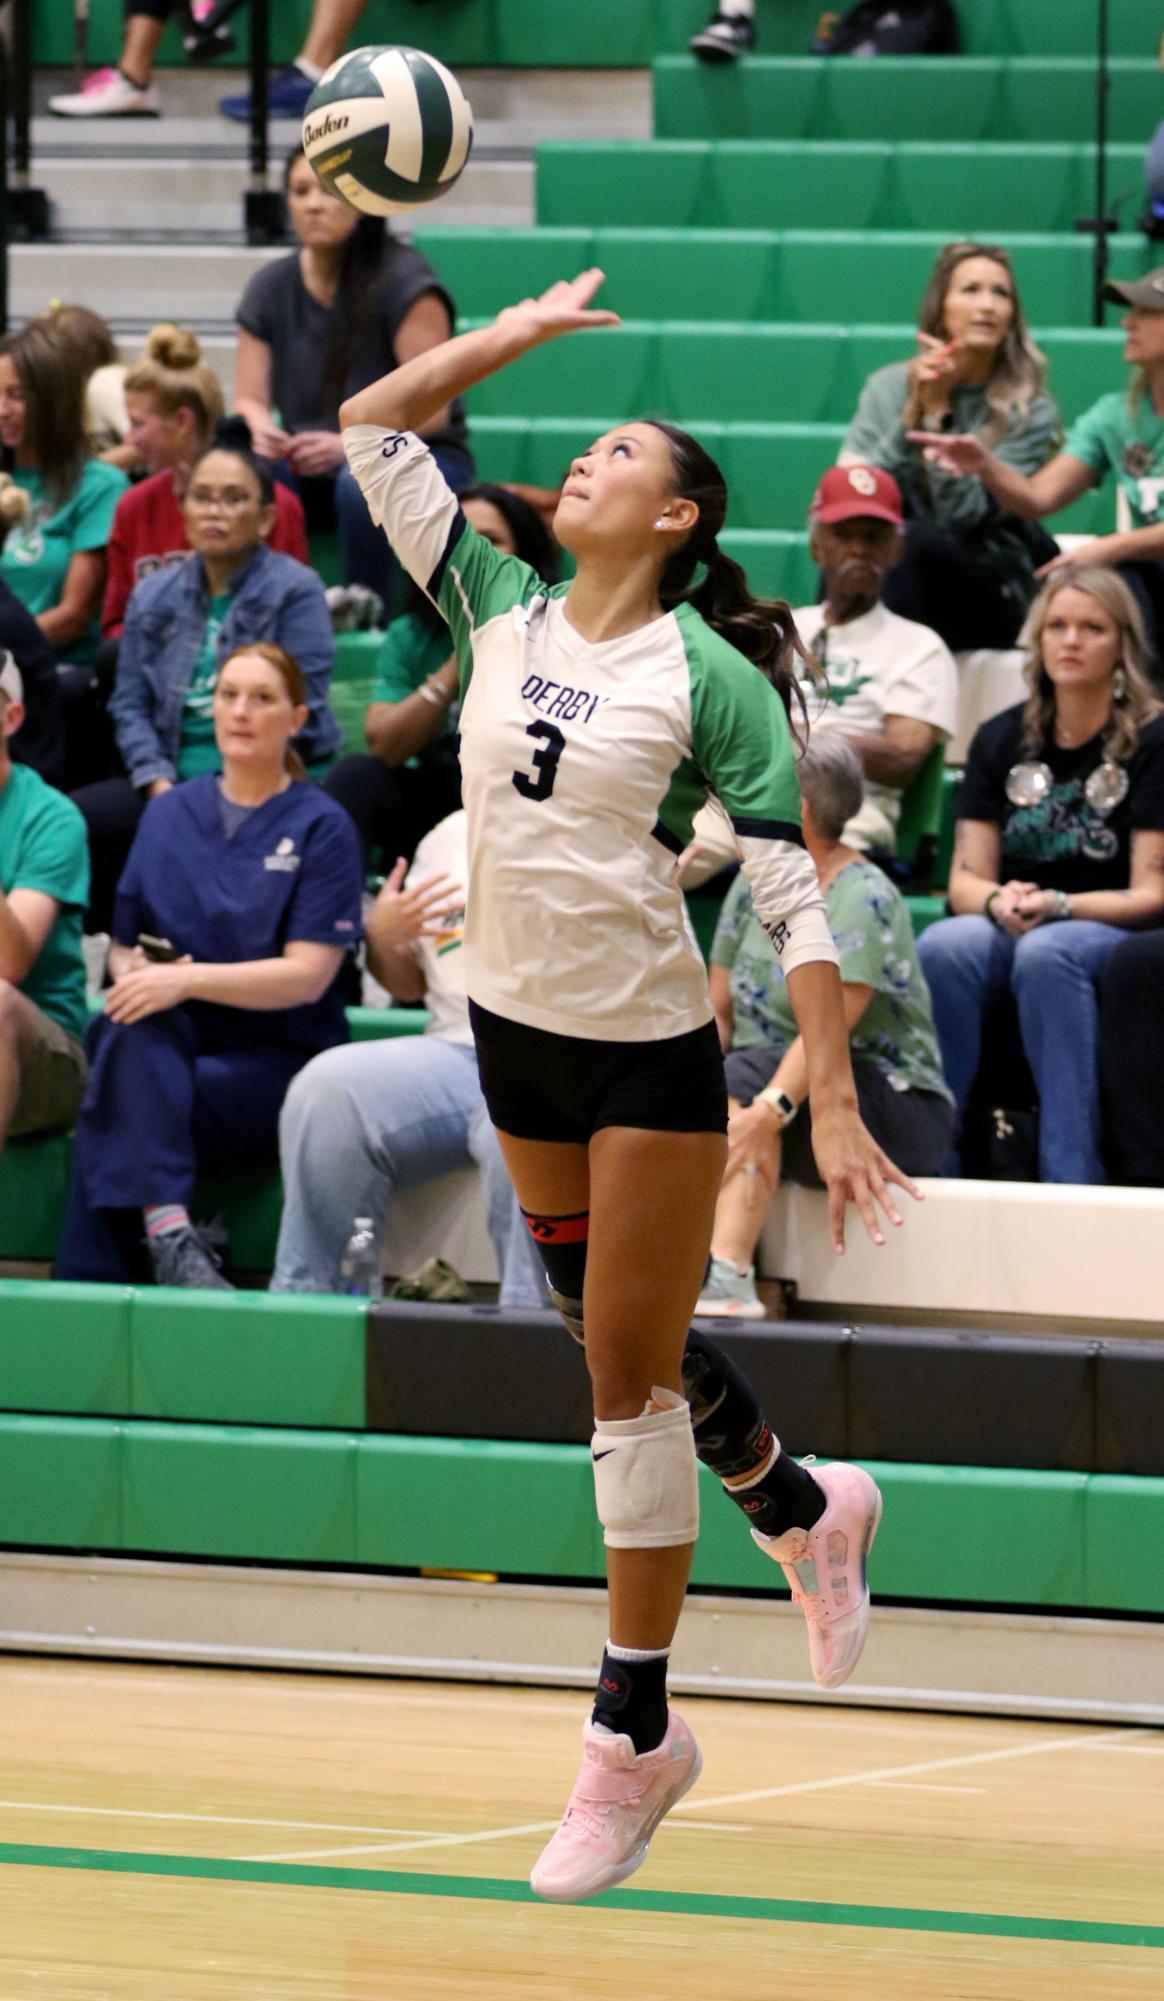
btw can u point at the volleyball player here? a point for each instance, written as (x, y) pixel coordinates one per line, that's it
(595, 718)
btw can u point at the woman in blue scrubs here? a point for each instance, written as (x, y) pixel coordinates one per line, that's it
(253, 880)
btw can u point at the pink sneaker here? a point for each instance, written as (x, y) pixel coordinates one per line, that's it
(825, 1567)
(617, 1803)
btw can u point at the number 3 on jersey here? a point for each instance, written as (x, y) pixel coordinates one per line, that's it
(545, 762)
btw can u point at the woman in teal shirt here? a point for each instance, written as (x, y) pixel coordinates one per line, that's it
(410, 779)
(1122, 434)
(54, 558)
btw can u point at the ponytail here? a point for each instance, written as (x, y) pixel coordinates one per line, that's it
(762, 629)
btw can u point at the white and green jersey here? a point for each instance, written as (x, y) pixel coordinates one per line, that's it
(583, 766)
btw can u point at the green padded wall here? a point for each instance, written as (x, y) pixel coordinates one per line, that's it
(274, 1495)
(156, 1352)
(791, 184)
(620, 32)
(958, 98)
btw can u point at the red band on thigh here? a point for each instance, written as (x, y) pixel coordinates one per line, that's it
(573, 1229)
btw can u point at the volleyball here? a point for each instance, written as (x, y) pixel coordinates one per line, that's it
(387, 129)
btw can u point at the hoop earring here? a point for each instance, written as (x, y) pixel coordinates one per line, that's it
(1119, 684)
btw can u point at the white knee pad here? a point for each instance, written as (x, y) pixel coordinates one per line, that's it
(646, 1477)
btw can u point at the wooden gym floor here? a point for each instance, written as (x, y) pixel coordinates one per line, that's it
(174, 1834)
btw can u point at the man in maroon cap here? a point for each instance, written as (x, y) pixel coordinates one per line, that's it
(892, 684)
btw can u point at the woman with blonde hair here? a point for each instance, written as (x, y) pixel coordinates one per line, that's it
(235, 911)
(969, 569)
(1121, 434)
(1059, 849)
(175, 404)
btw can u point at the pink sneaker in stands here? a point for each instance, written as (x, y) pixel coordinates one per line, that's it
(825, 1568)
(617, 1803)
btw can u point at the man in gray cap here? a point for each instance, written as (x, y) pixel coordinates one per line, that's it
(1122, 435)
(44, 887)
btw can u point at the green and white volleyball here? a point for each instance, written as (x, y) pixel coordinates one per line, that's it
(387, 129)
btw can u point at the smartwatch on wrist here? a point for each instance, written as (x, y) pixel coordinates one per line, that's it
(780, 1102)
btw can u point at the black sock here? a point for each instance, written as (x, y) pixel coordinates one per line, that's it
(631, 1699)
(784, 1497)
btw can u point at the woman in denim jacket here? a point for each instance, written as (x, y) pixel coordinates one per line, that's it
(180, 625)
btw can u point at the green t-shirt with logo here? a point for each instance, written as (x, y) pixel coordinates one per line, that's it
(198, 750)
(43, 846)
(874, 937)
(1127, 439)
(37, 551)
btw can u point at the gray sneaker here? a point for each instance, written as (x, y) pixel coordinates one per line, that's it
(729, 1294)
(182, 1258)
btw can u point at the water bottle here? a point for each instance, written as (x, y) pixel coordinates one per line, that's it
(360, 1264)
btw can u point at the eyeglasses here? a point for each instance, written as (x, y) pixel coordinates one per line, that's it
(233, 501)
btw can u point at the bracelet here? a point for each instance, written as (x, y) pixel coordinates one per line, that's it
(433, 695)
(986, 908)
(1061, 908)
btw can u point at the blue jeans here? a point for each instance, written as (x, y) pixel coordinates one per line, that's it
(362, 1121)
(1052, 974)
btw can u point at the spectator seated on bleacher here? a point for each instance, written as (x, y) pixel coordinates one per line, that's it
(1122, 434)
(891, 686)
(180, 624)
(315, 327)
(900, 1088)
(411, 778)
(1059, 848)
(175, 406)
(44, 880)
(362, 1122)
(252, 881)
(969, 568)
(53, 559)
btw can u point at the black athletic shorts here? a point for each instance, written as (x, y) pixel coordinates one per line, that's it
(564, 1087)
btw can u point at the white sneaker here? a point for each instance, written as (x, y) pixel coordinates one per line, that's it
(825, 1568)
(108, 94)
(729, 1294)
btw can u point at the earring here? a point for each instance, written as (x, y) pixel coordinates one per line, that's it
(1119, 683)
(660, 524)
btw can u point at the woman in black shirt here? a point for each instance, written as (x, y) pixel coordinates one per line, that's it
(316, 327)
(1060, 847)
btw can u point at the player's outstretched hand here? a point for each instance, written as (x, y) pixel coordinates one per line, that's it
(854, 1169)
(564, 309)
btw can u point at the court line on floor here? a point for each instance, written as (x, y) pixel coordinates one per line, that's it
(206, 1819)
(504, 1890)
(702, 1807)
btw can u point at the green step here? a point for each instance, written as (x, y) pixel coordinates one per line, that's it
(741, 373)
(968, 189)
(954, 97)
(271, 1494)
(771, 469)
(613, 33)
(765, 275)
(155, 1352)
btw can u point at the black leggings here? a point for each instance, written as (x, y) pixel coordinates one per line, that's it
(939, 583)
(158, 10)
(1131, 1057)
(112, 810)
(392, 806)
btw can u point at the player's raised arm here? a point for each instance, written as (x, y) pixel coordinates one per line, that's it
(411, 395)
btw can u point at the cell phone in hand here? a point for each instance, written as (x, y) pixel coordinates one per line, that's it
(158, 951)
